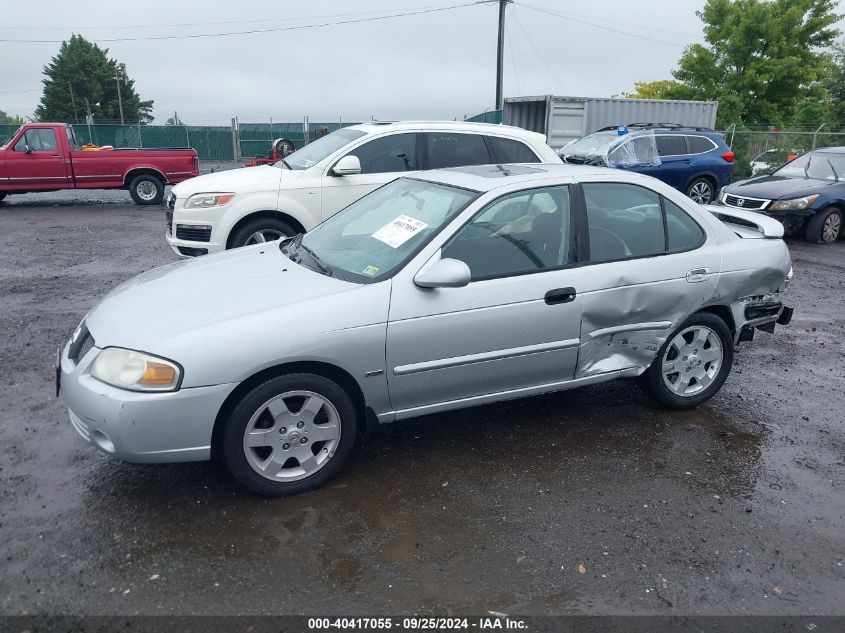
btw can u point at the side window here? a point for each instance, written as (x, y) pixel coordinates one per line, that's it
(448, 149)
(507, 150)
(700, 144)
(39, 140)
(397, 152)
(519, 233)
(682, 231)
(670, 144)
(624, 221)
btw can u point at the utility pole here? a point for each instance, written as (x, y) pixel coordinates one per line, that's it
(500, 54)
(73, 102)
(119, 75)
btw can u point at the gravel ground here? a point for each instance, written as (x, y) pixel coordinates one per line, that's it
(590, 501)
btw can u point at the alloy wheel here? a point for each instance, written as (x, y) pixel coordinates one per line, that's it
(692, 360)
(292, 436)
(701, 192)
(263, 235)
(831, 228)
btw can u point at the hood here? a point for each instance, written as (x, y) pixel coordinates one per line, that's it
(775, 187)
(252, 179)
(167, 303)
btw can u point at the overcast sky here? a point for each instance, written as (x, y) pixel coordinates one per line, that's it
(439, 64)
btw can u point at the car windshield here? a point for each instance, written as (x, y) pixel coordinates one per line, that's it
(592, 145)
(817, 165)
(372, 237)
(314, 152)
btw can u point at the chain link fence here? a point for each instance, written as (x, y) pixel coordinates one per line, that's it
(758, 151)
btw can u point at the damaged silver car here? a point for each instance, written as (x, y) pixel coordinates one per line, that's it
(451, 289)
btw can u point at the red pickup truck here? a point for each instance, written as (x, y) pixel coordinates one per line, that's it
(47, 157)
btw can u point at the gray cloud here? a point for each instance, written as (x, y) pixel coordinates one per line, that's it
(436, 65)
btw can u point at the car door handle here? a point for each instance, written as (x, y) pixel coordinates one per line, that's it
(697, 274)
(560, 295)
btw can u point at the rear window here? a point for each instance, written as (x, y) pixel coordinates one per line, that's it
(447, 149)
(700, 144)
(670, 145)
(507, 150)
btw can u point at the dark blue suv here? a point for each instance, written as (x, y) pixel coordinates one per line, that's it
(693, 160)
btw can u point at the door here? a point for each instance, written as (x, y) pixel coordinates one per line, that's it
(515, 326)
(35, 161)
(382, 159)
(649, 266)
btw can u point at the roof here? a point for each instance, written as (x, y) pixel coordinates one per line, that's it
(489, 177)
(832, 150)
(466, 126)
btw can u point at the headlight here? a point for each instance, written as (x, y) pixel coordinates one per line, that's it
(794, 204)
(135, 371)
(206, 200)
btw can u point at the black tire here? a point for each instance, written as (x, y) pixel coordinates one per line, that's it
(2, 195)
(825, 227)
(273, 228)
(234, 454)
(654, 385)
(701, 190)
(141, 189)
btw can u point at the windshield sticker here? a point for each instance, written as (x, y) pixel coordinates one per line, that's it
(399, 231)
(370, 270)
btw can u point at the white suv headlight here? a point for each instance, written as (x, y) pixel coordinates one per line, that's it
(207, 200)
(136, 371)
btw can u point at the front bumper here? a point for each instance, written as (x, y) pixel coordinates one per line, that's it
(185, 248)
(139, 427)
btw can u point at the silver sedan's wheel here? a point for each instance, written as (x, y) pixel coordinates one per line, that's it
(264, 235)
(701, 191)
(692, 360)
(292, 436)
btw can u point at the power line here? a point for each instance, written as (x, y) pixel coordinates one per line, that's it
(622, 22)
(511, 50)
(599, 26)
(537, 50)
(256, 31)
(217, 23)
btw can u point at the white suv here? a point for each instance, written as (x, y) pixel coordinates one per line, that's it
(234, 208)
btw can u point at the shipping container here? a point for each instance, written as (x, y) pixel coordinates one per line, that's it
(563, 119)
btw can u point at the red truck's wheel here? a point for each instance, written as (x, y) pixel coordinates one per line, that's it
(146, 189)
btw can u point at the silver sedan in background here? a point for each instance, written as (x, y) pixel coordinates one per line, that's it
(450, 289)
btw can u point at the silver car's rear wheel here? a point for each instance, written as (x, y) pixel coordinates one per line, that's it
(692, 360)
(290, 433)
(693, 363)
(292, 436)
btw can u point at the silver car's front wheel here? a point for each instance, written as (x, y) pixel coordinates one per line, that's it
(289, 434)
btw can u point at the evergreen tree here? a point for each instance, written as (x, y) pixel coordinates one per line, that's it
(82, 70)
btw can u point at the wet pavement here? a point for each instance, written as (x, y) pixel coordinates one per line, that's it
(589, 501)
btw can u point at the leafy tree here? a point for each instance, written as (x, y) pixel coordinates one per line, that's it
(762, 60)
(174, 120)
(83, 70)
(7, 119)
(662, 89)
(834, 83)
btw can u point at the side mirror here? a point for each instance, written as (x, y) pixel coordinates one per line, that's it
(444, 273)
(347, 166)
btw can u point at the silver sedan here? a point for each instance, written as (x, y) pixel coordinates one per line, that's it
(455, 288)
